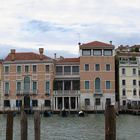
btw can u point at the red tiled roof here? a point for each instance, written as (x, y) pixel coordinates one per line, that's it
(25, 56)
(96, 44)
(68, 60)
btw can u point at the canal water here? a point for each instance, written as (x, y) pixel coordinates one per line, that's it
(90, 127)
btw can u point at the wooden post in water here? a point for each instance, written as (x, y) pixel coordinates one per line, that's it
(110, 123)
(24, 126)
(9, 126)
(37, 125)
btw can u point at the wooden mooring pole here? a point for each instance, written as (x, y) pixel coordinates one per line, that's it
(37, 125)
(110, 123)
(24, 126)
(9, 126)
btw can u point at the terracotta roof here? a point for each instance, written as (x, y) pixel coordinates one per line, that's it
(25, 56)
(68, 60)
(96, 44)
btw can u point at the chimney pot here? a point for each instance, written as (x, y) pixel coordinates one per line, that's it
(41, 50)
(79, 43)
(111, 42)
(13, 52)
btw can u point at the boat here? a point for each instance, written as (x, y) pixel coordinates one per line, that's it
(81, 113)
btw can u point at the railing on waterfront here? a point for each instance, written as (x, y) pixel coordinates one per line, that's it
(128, 62)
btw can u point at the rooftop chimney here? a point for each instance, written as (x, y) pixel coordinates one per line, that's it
(41, 50)
(54, 55)
(110, 42)
(13, 56)
(79, 43)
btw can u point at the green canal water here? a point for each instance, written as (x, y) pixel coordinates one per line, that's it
(90, 127)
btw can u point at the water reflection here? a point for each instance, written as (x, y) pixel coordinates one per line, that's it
(76, 128)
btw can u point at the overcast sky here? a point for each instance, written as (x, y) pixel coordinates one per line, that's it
(58, 25)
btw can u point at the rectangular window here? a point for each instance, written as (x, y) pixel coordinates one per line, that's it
(123, 71)
(108, 101)
(47, 87)
(97, 101)
(47, 103)
(7, 87)
(34, 103)
(139, 83)
(134, 82)
(97, 52)
(47, 68)
(86, 52)
(124, 102)
(6, 103)
(107, 52)
(123, 92)
(18, 87)
(87, 101)
(108, 85)
(26, 69)
(139, 72)
(134, 71)
(59, 70)
(97, 67)
(18, 103)
(34, 68)
(123, 82)
(34, 86)
(6, 69)
(75, 70)
(18, 69)
(86, 84)
(67, 70)
(86, 67)
(108, 67)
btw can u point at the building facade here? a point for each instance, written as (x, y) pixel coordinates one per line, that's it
(97, 75)
(28, 80)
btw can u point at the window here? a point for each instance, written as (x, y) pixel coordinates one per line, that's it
(108, 85)
(18, 87)
(139, 72)
(123, 71)
(97, 101)
(134, 71)
(107, 52)
(26, 69)
(6, 69)
(47, 68)
(124, 102)
(97, 85)
(47, 103)
(75, 70)
(107, 67)
(18, 69)
(67, 70)
(6, 103)
(34, 68)
(108, 101)
(134, 92)
(97, 67)
(86, 52)
(59, 70)
(97, 52)
(34, 86)
(139, 92)
(123, 82)
(76, 85)
(86, 84)
(34, 103)
(18, 103)
(47, 87)
(7, 87)
(87, 101)
(134, 82)
(86, 67)
(139, 83)
(123, 92)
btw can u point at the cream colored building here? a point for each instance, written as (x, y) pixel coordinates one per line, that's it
(129, 79)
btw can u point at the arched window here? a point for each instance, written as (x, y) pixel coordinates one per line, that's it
(27, 84)
(97, 85)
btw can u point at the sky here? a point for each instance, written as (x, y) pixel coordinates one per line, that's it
(58, 25)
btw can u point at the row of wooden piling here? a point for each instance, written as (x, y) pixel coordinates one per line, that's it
(110, 125)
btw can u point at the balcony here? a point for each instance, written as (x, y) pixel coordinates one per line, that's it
(6, 92)
(47, 93)
(66, 92)
(128, 62)
(26, 92)
(98, 92)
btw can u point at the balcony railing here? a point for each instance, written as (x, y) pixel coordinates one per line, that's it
(67, 73)
(47, 92)
(128, 62)
(6, 92)
(98, 92)
(66, 92)
(26, 92)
